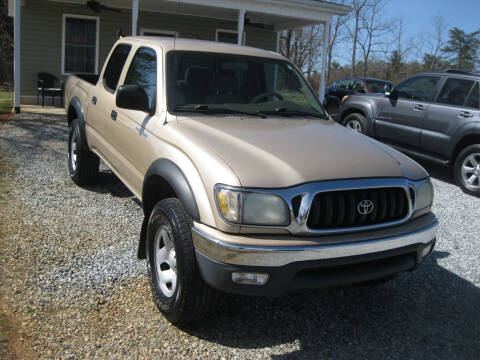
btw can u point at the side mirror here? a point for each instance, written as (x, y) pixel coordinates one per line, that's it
(133, 97)
(387, 90)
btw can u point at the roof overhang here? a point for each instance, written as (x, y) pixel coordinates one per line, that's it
(280, 14)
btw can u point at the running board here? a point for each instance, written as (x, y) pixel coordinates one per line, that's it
(413, 153)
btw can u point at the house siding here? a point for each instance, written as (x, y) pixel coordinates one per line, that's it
(41, 35)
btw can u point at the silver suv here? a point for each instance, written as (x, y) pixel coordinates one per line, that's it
(433, 116)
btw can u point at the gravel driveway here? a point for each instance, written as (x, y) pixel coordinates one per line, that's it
(72, 288)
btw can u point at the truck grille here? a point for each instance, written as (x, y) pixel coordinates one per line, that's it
(340, 209)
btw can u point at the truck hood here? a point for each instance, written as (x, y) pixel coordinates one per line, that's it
(282, 152)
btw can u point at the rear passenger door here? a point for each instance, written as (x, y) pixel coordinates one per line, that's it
(456, 104)
(101, 104)
(399, 119)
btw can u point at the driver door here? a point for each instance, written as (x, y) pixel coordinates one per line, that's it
(399, 119)
(131, 130)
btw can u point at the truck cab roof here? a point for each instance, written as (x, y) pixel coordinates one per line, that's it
(168, 43)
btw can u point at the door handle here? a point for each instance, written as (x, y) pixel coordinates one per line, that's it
(94, 100)
(113, 115)
(465, 114)
(419, 107)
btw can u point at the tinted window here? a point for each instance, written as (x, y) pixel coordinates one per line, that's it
(376, 86)
(455, 91)
(115, 66)
(143, 72)
(235, 82)
(359, 86)
(473, 99)
(422, 88)
(343, 83)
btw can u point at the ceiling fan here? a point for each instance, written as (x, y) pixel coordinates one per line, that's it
(249, 22)
(97, 7)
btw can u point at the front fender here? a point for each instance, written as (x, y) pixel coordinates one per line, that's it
(172, 174)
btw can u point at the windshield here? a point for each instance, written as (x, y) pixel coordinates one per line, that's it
(377, 86)
(226, 83)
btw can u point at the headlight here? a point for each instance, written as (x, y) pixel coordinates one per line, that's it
(251, 208)
(344, 98)
(424, 195)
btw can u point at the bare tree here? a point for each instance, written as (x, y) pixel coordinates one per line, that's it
(6, 46)
(373, 31)
(337, 35)
(358, 8)
(434, 42)
(302, 46)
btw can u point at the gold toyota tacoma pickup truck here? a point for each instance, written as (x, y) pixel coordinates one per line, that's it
(247, 185)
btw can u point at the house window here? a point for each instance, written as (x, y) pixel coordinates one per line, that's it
(155, 32)
(228, 36)
(80, 44)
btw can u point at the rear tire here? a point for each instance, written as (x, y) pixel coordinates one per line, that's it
(356, 122)
(467, 170)
(178, 288)
(82, 163)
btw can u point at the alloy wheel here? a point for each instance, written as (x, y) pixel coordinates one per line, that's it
(73, 152)
(354, 125)
(165, 261)
(471, 170)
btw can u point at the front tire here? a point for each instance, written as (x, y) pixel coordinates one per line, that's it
(178, 288)
(83, 165)
(467, 170)
(356, 122)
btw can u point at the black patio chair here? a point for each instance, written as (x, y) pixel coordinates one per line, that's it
(49, 85)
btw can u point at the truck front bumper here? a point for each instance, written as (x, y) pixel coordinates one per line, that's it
(337, 260)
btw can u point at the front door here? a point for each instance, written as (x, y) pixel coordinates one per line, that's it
(131, 132)
(399, 119)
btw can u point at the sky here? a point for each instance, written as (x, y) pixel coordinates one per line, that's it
(417, 15)
(464, 14)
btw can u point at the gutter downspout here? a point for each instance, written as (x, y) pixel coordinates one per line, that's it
(16, 55)
(326, 42)
(240, 24)
(134, 17)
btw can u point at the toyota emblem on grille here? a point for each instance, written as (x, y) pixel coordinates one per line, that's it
(365, 207)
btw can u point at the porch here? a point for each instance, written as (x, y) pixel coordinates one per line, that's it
(67, 36)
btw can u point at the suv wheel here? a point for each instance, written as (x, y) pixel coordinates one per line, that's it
(467, 170)
(178, 289)
(356, 122)
(82, 163)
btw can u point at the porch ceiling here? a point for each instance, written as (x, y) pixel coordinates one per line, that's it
(280, 14)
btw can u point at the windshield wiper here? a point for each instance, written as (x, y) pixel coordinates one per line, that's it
(291, 112)
(217, 110)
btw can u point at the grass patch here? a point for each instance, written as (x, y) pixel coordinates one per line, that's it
(6, 101)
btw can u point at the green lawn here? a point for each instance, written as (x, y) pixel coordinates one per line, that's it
(6, 101)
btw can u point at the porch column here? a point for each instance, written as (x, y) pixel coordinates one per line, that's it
(134, 17)
(241, 22)
(16, 54)
(326, 42)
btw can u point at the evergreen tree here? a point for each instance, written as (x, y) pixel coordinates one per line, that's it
(463, 48)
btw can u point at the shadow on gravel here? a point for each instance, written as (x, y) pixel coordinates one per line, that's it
(40, 132)
(442, 173)
(430, 313)
(109, 183)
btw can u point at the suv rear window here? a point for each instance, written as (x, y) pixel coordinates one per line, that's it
(474, 97)
(115, 66)
(455, 91)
